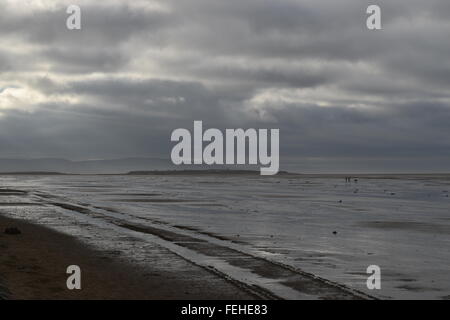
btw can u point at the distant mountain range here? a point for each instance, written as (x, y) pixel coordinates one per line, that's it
(86, 166)
(112, 166)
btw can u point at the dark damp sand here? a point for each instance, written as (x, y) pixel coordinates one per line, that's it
(33, 266)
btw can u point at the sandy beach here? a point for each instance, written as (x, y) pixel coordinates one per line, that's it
(224, 237)
(33, 265)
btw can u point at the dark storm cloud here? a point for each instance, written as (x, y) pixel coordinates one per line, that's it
(420, 129)
(85, 60)
(170, 103)
(102, 24)
(119, 86)
(95, 48)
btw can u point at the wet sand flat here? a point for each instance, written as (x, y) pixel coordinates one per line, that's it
(33, 266)
(288, 237)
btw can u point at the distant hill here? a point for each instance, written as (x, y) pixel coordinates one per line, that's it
(201, 172)
(34, 173)
(55, 165)
(132, 166)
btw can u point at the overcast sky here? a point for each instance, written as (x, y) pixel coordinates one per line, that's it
(341, 95)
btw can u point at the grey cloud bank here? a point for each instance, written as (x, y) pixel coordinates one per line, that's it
(344, 98)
